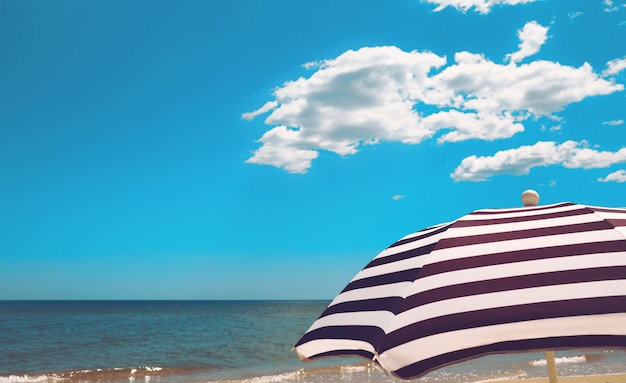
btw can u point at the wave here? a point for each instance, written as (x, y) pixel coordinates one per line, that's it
(156, 374)
(317, 375)
(584, 358)
(24, 379)
(277, 378)
(356, 372)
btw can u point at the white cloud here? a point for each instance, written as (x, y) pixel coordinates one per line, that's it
(360, 97)
(384, 94)
(397, 197)
(312, 65)
(608, 6)
(532, 37)
(554, 128)
(281, 149)
(613, 67)
(574, 15)
(519, 161)
(270, 105)
(539, 87)
(481, 6)
(467, 125)
(618, 176)
(613, 122)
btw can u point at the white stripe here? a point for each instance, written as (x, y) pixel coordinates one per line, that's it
(410, 245)
(380, 319)
(388, 268)
(318, 346)
(592, 207)
(382, 291)
(424, 348)
(611, 214)
(527, 212)
(405, 289)
(425, 231)
(475, 274)
(522, 244)
(454, 232)
(487, 248)
(412, 262)
(509, 298)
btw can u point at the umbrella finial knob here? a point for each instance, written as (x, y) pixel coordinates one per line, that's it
(530, 198)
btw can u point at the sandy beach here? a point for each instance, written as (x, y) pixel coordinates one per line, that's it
(297, 377)
(369, 373)
(614, 378)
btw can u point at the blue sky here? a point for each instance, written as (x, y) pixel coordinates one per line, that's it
(269, 149)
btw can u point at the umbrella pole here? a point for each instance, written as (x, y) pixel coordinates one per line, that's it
(531, 198)
(551, 367)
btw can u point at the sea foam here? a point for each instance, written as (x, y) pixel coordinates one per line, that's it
(562, 360)
(28, 379)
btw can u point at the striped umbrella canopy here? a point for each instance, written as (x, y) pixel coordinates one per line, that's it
(494, 281)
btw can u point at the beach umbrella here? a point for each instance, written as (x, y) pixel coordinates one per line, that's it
(494, 281)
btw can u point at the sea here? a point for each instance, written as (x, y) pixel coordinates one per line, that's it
(216, 341)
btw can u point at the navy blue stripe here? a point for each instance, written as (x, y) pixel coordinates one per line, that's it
(417, 238)
(391, 304)
(616, 222)
(503, 315)
(401, 256)
(495, 221)
(397, 305)
(343, 353)
(524, 255)
(536, 217)
(514, 283)
(553, 343)
(370, 334)
(446, 243)
(608, 209)
(384, 279)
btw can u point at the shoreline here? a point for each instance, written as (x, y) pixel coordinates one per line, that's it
(361, 373)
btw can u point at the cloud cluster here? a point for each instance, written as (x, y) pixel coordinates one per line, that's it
(519, 161)
(385, 94)
(481, 6)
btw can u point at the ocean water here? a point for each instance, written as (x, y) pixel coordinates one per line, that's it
(214, 341)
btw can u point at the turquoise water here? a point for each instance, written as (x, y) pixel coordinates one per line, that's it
(211, 337)
(195, 341)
